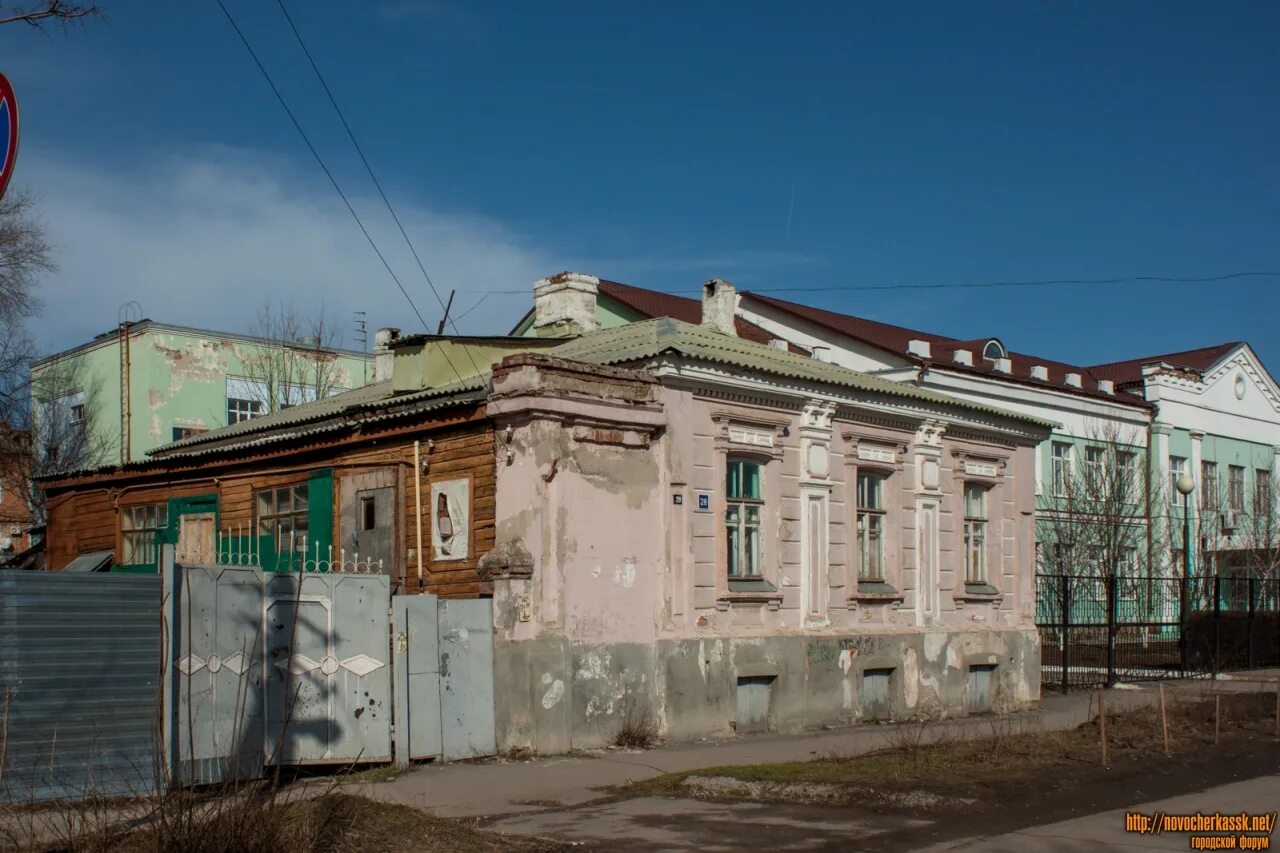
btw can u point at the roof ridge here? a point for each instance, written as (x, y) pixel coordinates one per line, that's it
(1163, 356)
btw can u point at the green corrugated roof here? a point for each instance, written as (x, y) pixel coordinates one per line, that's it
(650, 338)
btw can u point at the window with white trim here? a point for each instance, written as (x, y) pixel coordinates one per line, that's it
(871, 527)
(1177, 467)
(1061, 468)
(744, 508)
(1095, 461)
(975, 533)
(246, 399)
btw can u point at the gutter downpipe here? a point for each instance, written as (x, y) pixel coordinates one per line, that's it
(417, 496)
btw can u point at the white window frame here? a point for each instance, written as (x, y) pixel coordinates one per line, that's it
(1061, 468)
(975, 534)
(871, 524)
(743, 524)
(1177, 467)
(1209, 484)
(246, 399)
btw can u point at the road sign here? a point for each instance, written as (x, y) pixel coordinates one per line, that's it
(8, 132)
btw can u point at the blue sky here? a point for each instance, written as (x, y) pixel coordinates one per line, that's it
(776, 145)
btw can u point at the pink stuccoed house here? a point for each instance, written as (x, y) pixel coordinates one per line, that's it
(724, 535)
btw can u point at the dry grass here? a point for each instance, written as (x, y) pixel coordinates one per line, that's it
(952, 767)
(243, 823)
(639, 728)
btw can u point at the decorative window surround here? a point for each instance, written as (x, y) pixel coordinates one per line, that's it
(736, 433)
(868, 454)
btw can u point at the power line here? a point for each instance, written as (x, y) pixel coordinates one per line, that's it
(373, 177)
(320, 161)
(1137, 279)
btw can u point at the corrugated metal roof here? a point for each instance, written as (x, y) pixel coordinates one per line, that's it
(314, 411)
(650, 338)
(337, 412)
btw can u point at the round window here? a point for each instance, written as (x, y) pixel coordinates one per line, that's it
(1240, 387)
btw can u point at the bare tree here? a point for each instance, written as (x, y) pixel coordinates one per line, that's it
(47, 11)
(296, 363)
(1092, 517)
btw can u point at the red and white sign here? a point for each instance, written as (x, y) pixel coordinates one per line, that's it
(8, 132)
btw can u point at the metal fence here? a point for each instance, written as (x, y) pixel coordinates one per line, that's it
(1104, 629)
(79, 684)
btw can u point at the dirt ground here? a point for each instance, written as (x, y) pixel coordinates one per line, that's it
(911, 795)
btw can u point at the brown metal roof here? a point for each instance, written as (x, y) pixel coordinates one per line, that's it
(1130, 371)
(653, 303)
(894, 339)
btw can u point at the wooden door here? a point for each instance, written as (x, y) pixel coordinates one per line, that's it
(196, 539)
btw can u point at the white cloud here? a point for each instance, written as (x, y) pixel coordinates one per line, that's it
(203, 242)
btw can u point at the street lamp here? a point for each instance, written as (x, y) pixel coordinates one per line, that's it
(1185, 486)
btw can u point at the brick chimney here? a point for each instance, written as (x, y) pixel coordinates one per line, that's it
(564, 305)
(719, 302)
(382, 356)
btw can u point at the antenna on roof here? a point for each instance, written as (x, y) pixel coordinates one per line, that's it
(361, 320)
(445, 318)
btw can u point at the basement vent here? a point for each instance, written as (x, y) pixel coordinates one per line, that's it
(877, 701)
(1039, 371)
(964, 356)
(1073, 379)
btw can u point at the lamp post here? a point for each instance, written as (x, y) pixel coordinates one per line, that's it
(1185, 486)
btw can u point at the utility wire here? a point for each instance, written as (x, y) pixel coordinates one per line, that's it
(1138, 279)
(373, 177)
(332, 180)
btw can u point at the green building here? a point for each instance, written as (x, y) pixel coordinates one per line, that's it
(146, 384)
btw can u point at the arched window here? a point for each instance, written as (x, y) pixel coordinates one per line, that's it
(993, 350)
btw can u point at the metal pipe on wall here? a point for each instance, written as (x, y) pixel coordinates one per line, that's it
(417, 498)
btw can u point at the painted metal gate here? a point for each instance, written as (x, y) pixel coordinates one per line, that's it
(443, 678)
(275, 668)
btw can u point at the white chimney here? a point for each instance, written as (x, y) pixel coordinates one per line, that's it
(821, 352)
(918, 348)
(564, 305)
(964, 356)
(719, 301)
(1039, 371)
(779, 343)
(382, 357)
(1106, 386)
(1003, 365)
(1073, 379)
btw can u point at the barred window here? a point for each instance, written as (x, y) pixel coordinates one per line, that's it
(139, 526)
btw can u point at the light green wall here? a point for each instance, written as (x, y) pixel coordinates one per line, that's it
(610, 313)
(177, 379)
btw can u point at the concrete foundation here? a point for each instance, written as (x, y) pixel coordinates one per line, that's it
(557, 696)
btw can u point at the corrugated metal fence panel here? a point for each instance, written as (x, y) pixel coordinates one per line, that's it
(80, 667)
(417, 678)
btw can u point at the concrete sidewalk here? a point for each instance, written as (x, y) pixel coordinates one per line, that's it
(499, 787)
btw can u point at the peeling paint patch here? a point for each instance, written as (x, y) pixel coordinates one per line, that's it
(934, 644)
(625, 574)
(553, 695)
(595, 665)
(911, 676)
(846, 660)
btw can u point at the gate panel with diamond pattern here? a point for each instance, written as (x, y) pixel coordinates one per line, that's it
(267, 671)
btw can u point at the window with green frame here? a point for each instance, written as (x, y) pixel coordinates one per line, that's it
(141, 533)
(744, 506)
